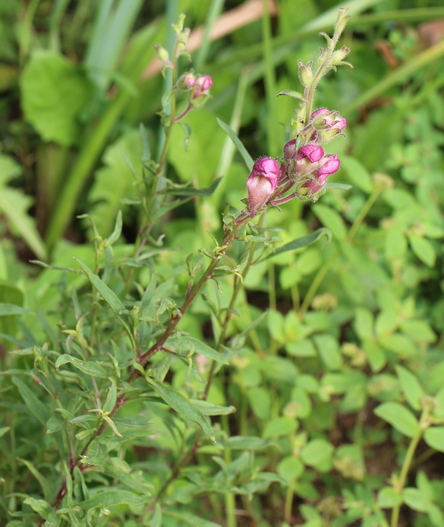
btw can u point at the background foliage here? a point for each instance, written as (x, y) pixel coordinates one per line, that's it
(327, 405)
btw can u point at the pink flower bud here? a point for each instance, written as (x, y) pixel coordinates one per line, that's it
(202, 85)
(325, 120)
(312, 152)
(328, 165)
(261, 183)
(189, 79)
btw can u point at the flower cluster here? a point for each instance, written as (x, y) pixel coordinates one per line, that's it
(304, 169)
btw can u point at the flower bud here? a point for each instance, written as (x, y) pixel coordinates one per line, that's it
(327, 166)
(305, 73)
(161, 53)
(261, 183)
(327, 123)
(200, 91)
(340, 54)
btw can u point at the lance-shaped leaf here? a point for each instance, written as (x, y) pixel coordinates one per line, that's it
(299, 243)
(238, 144)
(182, 406)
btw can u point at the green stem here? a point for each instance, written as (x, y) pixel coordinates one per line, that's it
(289, 502)
(228, 238)
(404, 472)
(363, 213)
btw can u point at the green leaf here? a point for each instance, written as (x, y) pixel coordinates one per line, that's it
(291, 93)
(200, 347)
(328, 349)
(410, 386)
(332, 220)
(434, 437)
(290, 468)
(340, 186)
(190, 191)
(207, 408)
(182, 406)
(41, 507)
(260, 402)
(54, 92)
(416, 499)
(399, 417)
(423, 249)
(35, 406)
(237, 143)
(156, 520)
(248, 443)
(318, 454)
(90, 368)
(299, 243)
(12, 309)
(43, 482)
(280, 426)
(399, 344)
(109, 296)
(108, 498)
(111, 397)
(357, 173)
(14, 205)
(388, 498)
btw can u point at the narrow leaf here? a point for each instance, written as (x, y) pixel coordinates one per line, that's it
(109, 296)
(207, 408)
(292, 93)
(299, 243)
(177, 402)
(90, 368)
(410, 386)
(238, 144)
(107, 498)
(191, 191)
(36, 407)
(202, 348)
(12, 309)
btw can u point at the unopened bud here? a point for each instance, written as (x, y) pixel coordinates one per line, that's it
(161, 53)
(261, 183)
(340, 54)
(305, 73)
(383, 182)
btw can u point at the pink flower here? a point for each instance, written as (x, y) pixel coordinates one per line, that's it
(328, 165)
(261, 183)
(312, 152)
(327, 124)
(203, 84)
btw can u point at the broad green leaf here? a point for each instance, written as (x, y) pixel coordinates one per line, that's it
(260, 402)
(14, 205)
(182, 406)
(304, 241)
(237, 143)
(90, 368)
(290, 468)
(12, 309)
(388, 498)
(357, 173)
(108, 498)
(156, 520)
(54, 92)
(423, 249)
(280, 426)
(399, 344)
(318, 453)
(207, 408)
(303, 348)
(35, 406)
(328, 349)
(418, 330)
(399, 417)
(434, 437)
(331, 220)
(109, 296)
(364, 323)
(338, 383)
(416, 499)
(410, 386)
(302, 401)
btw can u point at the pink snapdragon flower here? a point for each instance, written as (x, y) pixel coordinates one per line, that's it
(327, 124)
(261, 183)
(199, 83)
(328, 165)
